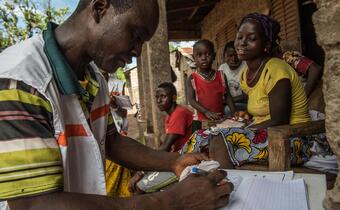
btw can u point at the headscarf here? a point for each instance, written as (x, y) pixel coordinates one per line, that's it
(270, 26)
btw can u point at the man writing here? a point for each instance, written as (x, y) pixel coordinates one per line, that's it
(55, 121)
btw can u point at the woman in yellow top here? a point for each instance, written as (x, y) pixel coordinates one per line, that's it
(275, 93)
(275, 97)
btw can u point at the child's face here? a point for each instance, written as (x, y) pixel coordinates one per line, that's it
(231, 58)
(204, 56)
(164, 99)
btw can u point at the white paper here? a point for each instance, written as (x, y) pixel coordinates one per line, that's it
(274, 176)
(123, 102)
(264, 194)
(230, 124)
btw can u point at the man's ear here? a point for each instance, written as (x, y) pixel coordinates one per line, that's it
(99, 8)
(174, 98)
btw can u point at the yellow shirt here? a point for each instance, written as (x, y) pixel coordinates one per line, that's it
(258, 99)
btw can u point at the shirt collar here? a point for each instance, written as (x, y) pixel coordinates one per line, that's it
(63, 74)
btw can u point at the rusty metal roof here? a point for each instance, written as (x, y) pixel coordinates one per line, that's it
(184, 18)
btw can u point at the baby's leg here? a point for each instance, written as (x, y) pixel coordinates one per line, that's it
(218, 151)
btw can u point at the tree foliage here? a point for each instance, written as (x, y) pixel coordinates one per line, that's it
(21, 19)
(172, 47)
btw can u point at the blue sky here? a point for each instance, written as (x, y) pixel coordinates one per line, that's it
(71, 4)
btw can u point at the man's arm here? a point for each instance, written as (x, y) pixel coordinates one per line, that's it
(206, 192)
(131, 154)
(75, 201)
(169, 141)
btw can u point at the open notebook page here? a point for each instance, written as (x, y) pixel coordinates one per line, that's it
(263, 194)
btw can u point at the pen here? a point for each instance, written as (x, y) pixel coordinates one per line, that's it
(195, 170)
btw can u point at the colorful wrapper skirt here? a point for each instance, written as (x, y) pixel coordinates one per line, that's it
(248, 145)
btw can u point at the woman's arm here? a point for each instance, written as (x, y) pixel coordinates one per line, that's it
(280, 104)
(313, 77)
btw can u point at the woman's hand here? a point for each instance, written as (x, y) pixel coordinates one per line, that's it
(243, 115)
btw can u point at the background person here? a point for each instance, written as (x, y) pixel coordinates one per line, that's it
(232, 69)
(178, 122)
(178, 126)
(275, 97)
(207, 88)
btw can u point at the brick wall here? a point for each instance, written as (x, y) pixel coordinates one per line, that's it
(220, 24)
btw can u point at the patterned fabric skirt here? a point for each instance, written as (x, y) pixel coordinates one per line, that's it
(117, 179)
(248, 145)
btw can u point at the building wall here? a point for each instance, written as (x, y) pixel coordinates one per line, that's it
(134, 86)
(179, 82)
(220, 24)
(182, 69)
(326, 21)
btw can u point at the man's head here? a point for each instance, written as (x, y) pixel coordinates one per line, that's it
(166, 96)
(230, 56)
(116, 29)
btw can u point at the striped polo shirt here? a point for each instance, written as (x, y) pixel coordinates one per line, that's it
(31, 162)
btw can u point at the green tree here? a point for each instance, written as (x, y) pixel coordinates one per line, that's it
(20, 19)
(120, 74)
(172, 47)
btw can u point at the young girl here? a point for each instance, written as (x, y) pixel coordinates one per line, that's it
(207, 89)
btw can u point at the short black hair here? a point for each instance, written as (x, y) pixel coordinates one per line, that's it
(205, 42)
(228, 46)
(170, 87)
(120, 5)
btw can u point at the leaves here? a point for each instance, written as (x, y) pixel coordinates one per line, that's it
(21, 19)
(239, 140)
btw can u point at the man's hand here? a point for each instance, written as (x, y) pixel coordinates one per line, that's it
(133, 182)
(200, 192)
(113, 102)
(187, 160)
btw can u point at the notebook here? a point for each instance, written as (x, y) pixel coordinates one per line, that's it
(265, 194)
(274, 176)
